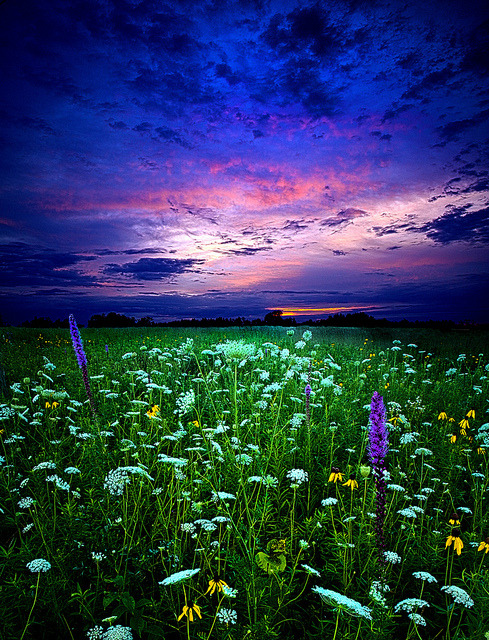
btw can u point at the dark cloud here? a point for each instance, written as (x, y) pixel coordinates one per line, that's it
(453, 130)
(476, 58)
(294, 225)
(153, 268)
(346, 215)
(247, 251)
(24, 264)
(431, 81)
(395, 112)
(119, 125)
(127, 252)
(459, 224)
(306, 28)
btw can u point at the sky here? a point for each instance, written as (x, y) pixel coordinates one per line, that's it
(206, 158)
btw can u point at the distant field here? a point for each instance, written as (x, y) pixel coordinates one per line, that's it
(220, 484)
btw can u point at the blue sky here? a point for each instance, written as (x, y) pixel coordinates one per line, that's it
(205, 158)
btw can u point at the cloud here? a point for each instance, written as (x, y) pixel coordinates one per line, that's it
(459, 224)
(153, 268)
(453, 130)
(33, 266)
(345, 215)
(127, 252)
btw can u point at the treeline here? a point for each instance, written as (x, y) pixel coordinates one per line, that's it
(273, 318)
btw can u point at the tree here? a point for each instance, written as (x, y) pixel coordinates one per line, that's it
(273, 317)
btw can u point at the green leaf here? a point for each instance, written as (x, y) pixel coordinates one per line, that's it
(271, 564)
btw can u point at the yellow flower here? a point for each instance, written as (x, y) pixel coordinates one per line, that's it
(351, 482)
(443, 416)
(216, 583)
(47, 405)
(153, 411)
(454, 437)
(189, 612)
(335, 475)
(457, 541)
(484, 546)
(464, 424)
(454, 519)
(470, 414)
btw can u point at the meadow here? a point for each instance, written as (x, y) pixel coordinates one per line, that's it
(222, 484)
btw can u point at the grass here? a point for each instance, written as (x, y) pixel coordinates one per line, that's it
(205, 500)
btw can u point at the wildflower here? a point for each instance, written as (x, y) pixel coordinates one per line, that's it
(417, 619)
(453, 438)
(153, 411)
(227, 616)
(484, 546)
(38, 565)
(392, 557)
(298, 476)
(216, 583)
(81, 358)
(457, 541)
(311, 571)
(425, 576)
(470, 414)
(351, 482)
(345, 603)
(409, 604)
(454, 519)
(95, 633)
(179, 577)
(464, 424)
(188, 612)
(335, 475)
(442, 416)
(459, 595)
(118, 633)
(329, 502)
(377, 450)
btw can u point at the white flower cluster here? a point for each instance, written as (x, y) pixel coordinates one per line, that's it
(227, 616)
(329, 502)
(116, 479)
(186, 402)
(345, 603)
(118, 633)
(409, 604)
(392, 557)
(25, 503)
(49, 464)
(236, 349)
(38, 565)
(297, 476)
(180, 576)
(459, 595)
(424, 575)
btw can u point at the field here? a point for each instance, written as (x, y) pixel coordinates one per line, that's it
(242, 484)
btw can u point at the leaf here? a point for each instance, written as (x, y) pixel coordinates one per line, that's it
(271, 564)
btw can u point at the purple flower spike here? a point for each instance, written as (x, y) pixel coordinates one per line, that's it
(82, 360)
(307, 391)
(378, 446)
(77, 343)
(378, 435)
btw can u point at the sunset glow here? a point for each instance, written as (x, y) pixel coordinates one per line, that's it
(188, 161)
